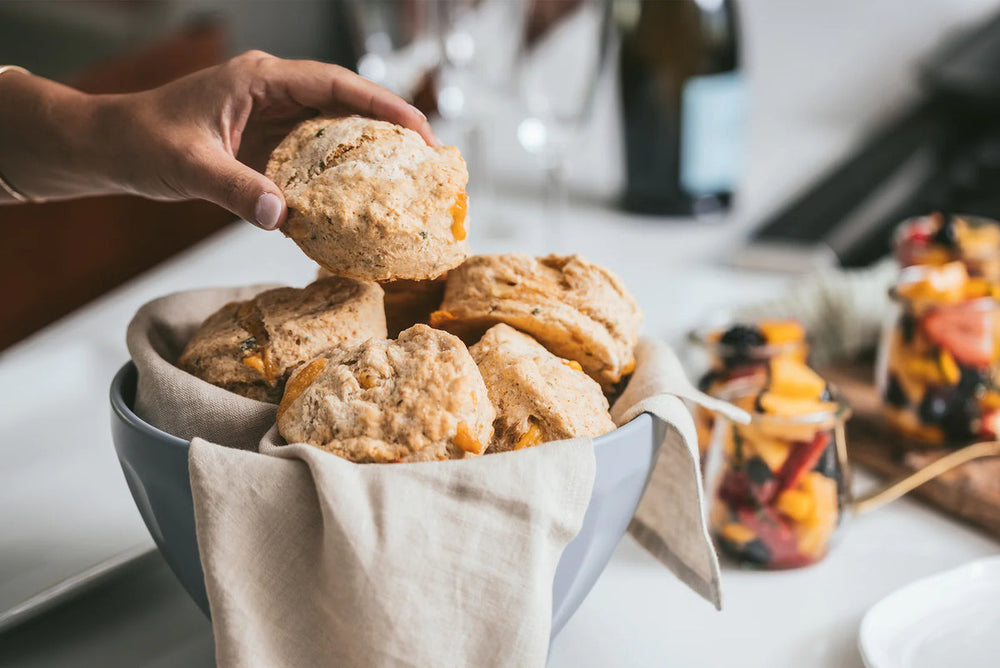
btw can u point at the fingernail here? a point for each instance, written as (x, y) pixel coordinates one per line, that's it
(267, 211)
(418, 112)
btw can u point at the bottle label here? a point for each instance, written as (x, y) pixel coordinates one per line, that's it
(713, 118)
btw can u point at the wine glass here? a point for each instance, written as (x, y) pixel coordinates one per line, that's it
(479, 50)
(564, 49)
(397, 41)
(457, 56)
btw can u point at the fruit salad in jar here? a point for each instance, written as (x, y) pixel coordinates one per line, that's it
(780, 485)
(938, 239)
(742, 353)
(937, 369)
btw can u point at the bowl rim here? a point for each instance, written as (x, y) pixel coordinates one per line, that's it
(128, 371)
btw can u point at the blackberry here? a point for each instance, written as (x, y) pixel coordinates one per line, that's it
(908, 326)
(827, 464)
(961, 419)
(756, 552)
(970, 381)
(946, 235)
(739, 341)
(894, 394)
(758, 471)
(706, 381)
(934, 406)
(742, 336)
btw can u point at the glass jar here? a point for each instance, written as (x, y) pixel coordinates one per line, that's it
(937, 368)
(779, 483)
(936, 239)
(742, 352)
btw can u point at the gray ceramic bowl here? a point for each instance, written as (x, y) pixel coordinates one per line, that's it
(156, 469)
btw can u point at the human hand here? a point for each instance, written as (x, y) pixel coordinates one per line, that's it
(208, 135)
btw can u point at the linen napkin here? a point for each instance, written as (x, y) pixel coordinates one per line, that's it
(174, 400)
(313, 560)
(669, 521)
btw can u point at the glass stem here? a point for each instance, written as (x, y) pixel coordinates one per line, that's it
(556, 204)
(481, 194)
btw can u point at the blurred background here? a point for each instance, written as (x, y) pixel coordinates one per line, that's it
(779, 134)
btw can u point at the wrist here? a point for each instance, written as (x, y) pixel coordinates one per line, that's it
(106, 142)
(48, 149)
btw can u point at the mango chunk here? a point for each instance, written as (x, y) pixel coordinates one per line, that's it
(777, 332)
(796, 505)
(737, 533)
(792, 379)
(782, 406)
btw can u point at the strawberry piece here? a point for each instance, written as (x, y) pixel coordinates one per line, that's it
(965, 330)
(777, 535)
(802, 459)
(990, 424)
(734, 489)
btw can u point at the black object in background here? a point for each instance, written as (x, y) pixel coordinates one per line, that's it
(684, 105)
(943, 154)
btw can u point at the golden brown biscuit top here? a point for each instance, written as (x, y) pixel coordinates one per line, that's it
(417, 398)
(250, 347)
(577, 309)
(371, 200)
(539, 397)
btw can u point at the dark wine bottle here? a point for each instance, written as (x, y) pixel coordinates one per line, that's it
(684, 105)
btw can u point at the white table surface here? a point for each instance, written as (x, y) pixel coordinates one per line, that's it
(63, 498)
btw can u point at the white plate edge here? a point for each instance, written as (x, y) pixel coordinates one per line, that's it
(865, 630)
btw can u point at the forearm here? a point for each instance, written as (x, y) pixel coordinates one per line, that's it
(206, 135)
(49, 144)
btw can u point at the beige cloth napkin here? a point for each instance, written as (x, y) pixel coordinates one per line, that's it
(172, 399)
(313, 560)
(669, 521)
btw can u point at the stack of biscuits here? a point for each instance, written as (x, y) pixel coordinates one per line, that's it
(406, 348)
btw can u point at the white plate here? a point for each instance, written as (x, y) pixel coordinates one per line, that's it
(949, 619)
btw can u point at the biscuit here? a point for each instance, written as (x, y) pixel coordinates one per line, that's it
(538, 397)
(407, 302)
(417, 398)
(574, 308)
(251, 347)
(371, 200)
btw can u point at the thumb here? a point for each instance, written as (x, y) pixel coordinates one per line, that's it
(226, 181)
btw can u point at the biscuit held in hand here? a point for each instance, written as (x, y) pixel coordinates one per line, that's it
(371, 200)
(418, 398)
(251, 347)
(576, 309)
(539, 397)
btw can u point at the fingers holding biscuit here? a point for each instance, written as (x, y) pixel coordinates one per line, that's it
(224, 180)
(334, 90)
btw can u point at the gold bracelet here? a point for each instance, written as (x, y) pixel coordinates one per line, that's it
(4, 184)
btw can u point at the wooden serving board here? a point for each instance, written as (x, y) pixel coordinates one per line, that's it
(970, 492)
